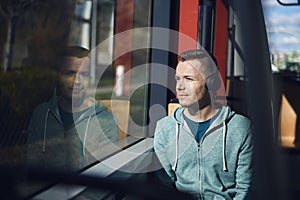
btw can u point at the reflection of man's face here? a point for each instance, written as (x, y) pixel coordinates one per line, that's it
(74, 79)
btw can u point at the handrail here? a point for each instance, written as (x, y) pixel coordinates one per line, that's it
(289, 4)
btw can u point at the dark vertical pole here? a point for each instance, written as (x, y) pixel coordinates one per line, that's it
(162, 17)
(268, 178)
(208, 23)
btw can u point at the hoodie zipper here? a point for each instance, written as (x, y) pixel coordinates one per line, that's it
(199, 158)
(209, 131)
(200, 170)
(199, 150)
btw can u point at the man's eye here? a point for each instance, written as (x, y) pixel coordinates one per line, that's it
(68, 73)
(84, 75)
(189, 79)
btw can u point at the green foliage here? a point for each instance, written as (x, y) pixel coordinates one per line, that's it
(293, 66)
(290, 63)
(22, 90)
(292, 56)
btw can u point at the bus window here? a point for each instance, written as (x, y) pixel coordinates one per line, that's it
(133, 48)
(288, 2)
(38, 127)
(283, 35)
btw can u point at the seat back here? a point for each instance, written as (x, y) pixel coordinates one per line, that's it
(120, 109)
(287, 123)
(172, 107)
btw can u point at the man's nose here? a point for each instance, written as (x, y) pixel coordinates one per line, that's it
(180, 85)
(77, 79)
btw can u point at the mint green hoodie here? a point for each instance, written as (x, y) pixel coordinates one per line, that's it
(218, 167)
(50, 145)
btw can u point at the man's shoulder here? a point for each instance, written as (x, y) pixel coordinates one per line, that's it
(103, 115)
(101, 111)
(47, 104)
(240, 119)
(233, 117)
(167, 120)
(240, 127)
(164, 125)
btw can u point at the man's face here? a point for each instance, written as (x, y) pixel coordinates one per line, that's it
(74, 78)
(190, 84)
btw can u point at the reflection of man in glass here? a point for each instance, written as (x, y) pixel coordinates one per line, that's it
(71, 130)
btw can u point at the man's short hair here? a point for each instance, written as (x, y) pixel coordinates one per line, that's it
(70, 51)
(210, 70)
(196, 54)
(75, 51)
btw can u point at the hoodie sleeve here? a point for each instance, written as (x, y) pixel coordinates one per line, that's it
(244, 168)
(160, 146)
(108, 124)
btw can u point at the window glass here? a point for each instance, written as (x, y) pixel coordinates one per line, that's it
(283, 33)
(38, 128)
(283, 28)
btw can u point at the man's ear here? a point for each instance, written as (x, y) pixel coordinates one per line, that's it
(213, 82)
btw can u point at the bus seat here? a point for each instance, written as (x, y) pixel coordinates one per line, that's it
(172, 107)
(287, 123)
(120, 109)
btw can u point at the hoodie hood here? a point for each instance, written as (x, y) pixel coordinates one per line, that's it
(223, 115)
(93, 110)
(220, 121)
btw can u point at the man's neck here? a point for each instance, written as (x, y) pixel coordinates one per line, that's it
(202, 114)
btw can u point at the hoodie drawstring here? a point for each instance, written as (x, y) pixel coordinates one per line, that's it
(224, 146)
(176, 153)
(224, 132)
(85, 134)
(45, 131)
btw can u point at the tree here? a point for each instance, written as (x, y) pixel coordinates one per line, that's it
(12, 10)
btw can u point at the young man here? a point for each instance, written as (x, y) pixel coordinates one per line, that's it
(72, 130)
(204, 147)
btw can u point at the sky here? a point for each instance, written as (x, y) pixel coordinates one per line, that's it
(283, 26)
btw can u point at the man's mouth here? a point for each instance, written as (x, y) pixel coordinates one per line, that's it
(76, 90)
(182, 95)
